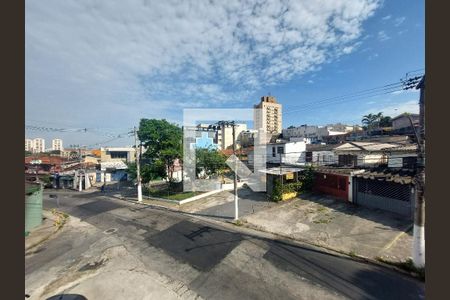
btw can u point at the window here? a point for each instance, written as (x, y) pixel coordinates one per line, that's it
(347, 160)
(409, 162)
(273, 152)
(308, 156)
(280, 150)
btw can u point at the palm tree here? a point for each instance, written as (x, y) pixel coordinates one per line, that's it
(369, 120)
(372, 120)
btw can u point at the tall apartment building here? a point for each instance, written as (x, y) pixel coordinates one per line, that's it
(28, 145)
(57, 144)
(226, 135)
(38, 145)
(267, 115)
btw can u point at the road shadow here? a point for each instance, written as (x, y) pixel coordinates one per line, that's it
(356, 280)
(200, 246)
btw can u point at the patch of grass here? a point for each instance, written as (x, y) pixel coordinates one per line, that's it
(352, 253)
(238, 223)
(321, 209)
(406, 265)
(172, 195)
(322, 221)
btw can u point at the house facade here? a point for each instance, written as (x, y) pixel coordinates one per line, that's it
(286, 153)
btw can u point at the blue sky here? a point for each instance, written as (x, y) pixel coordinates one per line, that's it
(103, 65)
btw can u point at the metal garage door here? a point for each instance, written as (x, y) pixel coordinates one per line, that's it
(385, 195)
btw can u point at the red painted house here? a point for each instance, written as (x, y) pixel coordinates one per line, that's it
(336, 182)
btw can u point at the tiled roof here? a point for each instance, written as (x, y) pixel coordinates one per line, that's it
(364, 146)
(400, 176)
(404, 148)
(47, 160)
(338, 171)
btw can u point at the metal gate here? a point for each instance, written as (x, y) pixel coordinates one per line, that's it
(385, 195)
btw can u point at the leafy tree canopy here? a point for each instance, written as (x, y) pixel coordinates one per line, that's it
(210, 161)
(164, 143)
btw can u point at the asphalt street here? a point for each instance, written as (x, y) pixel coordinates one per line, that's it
(212, 261)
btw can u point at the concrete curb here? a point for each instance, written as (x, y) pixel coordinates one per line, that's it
(285, 238)
(355, 257)
(45, 237)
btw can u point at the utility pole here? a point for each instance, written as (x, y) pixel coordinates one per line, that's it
(419, 213)
(236, 206)
(224, 124)
(80, 181)
(138, 168)
(418, 251)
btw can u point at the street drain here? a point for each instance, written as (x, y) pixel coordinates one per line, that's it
(109, 231)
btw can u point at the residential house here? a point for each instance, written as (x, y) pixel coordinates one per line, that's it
(292, 153)
(112, 171)
(334, 181)
(403, 121)
(402, 157)
(386, 189)
(126, 154)
(321, 155)
(362, 154)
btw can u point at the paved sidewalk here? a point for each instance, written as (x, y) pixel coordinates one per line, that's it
(338, 225)
(42, 232)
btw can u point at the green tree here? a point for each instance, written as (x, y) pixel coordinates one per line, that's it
(210, 160)
(28, 153)
(385, 121)
(58, 152)
(372, 121)
(308, 179)
(163, 141)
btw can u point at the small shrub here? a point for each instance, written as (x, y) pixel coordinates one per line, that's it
(407, 265)
(277, 192)
(238, 223)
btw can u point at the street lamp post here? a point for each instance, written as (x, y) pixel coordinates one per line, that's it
(224, 124)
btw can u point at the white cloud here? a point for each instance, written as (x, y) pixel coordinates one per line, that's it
(149, 58)
(399, 21)
(385, 18)
(382, 36)
(373, 56)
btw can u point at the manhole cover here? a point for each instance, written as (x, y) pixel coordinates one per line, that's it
(109, 231)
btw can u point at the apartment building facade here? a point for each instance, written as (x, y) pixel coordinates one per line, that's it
(268, 115)
(38, 145)
(57, 144)
(29, 145)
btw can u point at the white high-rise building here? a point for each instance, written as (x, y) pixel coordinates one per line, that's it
(57, 144)
(267, 115)
(38, 145)
(28, 145)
